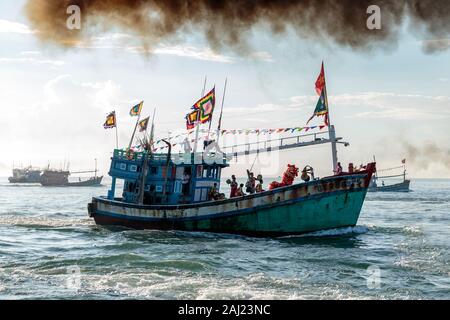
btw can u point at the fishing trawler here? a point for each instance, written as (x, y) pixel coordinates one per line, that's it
(175, 191)
(25, 175)
(60, 178)
(378, 183)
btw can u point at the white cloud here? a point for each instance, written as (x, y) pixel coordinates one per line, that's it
(204, 54)
(7, 26)
(50, 91)
(124, 42)
(34, 61)
(261, 56)
(395, 106)
(105, 94)
(375, 105)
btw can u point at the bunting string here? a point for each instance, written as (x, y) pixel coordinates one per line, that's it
(234, 132)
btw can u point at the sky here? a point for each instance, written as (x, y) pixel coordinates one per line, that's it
(390, 103)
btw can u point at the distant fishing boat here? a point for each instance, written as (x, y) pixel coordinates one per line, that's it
(25, 175)
(60, 178)
(181, 191)
(378, 183)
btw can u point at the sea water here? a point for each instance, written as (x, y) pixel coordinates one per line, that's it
(51, 249)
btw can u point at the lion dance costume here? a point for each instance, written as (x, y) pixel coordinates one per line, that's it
(288, 178)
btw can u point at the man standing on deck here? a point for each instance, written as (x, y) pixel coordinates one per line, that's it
(186, 183)
(338, 169)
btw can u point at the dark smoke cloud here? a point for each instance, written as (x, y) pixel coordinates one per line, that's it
(427, 154)
(229, 23)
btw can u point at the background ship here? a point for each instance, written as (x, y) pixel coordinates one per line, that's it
(378, 183)
(60, 178)
(25, 175)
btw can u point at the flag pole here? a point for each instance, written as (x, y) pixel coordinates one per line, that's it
(331, 130)
(219, 126)
(152, 131)
(135, 127)
(210, 119)
(198, 120)
(117, 135)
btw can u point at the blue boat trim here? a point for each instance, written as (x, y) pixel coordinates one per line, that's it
(215, 203)
(223, 214)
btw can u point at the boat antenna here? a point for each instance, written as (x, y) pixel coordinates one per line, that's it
(152, 132)
(169, 145)
(95, 167)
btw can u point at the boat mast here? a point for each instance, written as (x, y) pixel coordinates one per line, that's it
(221, 111)
(331, 130)
(95, 167)
(197, 130)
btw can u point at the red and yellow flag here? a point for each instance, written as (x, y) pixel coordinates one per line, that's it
(206, 106)
(320, 82)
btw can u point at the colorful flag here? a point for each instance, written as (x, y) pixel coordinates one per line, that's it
(192, 119)
(206, 106)
(320, 82)
(136, 110)
(321, 108)
(143, 124)
(110, 120)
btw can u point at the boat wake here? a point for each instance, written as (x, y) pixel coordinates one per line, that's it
(43, 222)
(333, 232)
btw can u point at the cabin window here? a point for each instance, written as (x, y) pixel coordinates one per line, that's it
(121, 166)
(198, 194)
(205, 172)
(133, 168)
(153, 170)
(199, 171)
(177, 187)
(205, 193)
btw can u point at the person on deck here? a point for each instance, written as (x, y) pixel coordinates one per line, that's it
(338, 169)
(306, 172)
(251, 183)
(240, 191)
(233, 186)
(259, 185)
(186, 183)
(214, 193)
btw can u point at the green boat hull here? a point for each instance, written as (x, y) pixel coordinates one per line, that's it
(334, 211)
(327, 203)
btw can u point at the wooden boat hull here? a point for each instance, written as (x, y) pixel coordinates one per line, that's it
(24, 180)
(398, 187)
(86, 183)
(317, 205)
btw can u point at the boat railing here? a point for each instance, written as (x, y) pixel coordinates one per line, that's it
(278, 144)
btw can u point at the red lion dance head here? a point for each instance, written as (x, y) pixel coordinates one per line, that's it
(288, 177)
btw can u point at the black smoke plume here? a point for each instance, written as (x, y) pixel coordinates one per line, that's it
(229, 23)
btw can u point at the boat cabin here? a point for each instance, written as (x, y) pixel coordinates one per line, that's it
(165, 178)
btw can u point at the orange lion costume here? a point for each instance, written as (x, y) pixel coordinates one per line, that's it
(288, 178)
